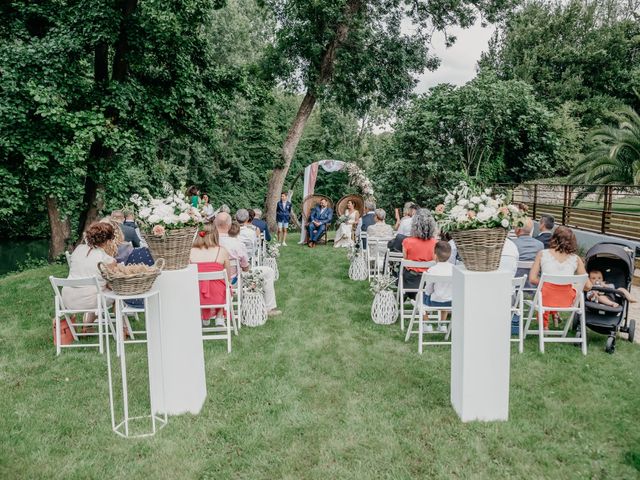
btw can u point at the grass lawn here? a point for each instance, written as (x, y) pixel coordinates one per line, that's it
(318, 393)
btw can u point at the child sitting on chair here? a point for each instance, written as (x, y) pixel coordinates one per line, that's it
(597, 279)
(439, 294)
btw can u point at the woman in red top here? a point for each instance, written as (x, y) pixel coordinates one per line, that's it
(209, 256)
(419, 246)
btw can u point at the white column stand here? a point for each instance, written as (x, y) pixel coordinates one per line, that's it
(180, 342)
(142, 425)
(480, 349)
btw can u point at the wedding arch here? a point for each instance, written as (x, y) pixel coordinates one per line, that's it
(357, 178)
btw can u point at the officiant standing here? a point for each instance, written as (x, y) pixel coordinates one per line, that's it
(283, 215)
(320, 217)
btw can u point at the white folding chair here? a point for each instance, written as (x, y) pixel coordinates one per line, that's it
(517, 308)
(430, 316)
(61, 311)
(577, 308)
(67, 255)
(404, 311)
(376, 249)
(236, 299)
(218, 333)
(391, 259)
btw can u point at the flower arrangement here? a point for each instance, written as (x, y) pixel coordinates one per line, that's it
(157, 215)
(342, 219)
(469, 208)
(358, 178)
(352, 252)
(252, 282)
(273, 251)
(381, 283)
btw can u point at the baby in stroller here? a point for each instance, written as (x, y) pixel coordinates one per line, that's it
(597, 279)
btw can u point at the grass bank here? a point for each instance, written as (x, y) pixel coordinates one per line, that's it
(320, 392)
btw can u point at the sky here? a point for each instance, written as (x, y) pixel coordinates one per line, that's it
(458, 63)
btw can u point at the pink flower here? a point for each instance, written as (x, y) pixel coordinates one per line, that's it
(158, 230)
(504, 210)
(471, 214)
(440, 209)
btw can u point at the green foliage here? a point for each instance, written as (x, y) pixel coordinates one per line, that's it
(583, 52)
(492, 130)
(614, 155)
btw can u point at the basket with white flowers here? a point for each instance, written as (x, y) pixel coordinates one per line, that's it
(169, 225)
(478, 221)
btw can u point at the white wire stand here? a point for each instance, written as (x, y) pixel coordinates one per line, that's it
(153, 421)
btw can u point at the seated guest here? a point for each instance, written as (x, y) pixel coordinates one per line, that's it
(368, 219)
(118, 247)
(130, 220)
(237, 251)
(559, 259)
(439, 294)
(248, 233)
(403, 225)
(453, 257)
(225, 208)
(206, 208)
(546, 224)
(320, 217)
(419, 247)
(209, 256)
(380, 230)
(528, 247)
(509, 257)
(98, 238)
(193, 194)
(261, 224)
(128, 231)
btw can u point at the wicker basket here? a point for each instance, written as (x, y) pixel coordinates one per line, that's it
(174, 246)
(384, 309)
(131, 284)
(480, 249)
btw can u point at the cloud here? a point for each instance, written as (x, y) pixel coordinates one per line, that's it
(458, 63)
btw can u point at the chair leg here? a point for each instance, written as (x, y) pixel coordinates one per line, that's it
(58, 336)
(420, 333)
(228, 321)
(541, 330)
(583, 333)
(520, 332)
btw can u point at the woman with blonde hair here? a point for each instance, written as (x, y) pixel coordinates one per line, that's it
(209, 256)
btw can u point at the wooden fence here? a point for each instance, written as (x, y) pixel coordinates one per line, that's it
(611, 210)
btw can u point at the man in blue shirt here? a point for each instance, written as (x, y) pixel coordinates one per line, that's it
(261, 224)
(283, 214)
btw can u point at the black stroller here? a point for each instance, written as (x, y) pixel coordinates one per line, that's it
(616, 261)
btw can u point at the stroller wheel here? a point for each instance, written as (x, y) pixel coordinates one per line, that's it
(610, 347)
(632, 330)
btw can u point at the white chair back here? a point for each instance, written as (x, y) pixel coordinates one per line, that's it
(402, 290)
(517, 308)
(216, 332)
(390, 259)
(577, 282)
(67, 255)
(375, 253)
(62, 311)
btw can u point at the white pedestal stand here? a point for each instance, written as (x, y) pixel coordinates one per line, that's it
(181, 333)
(480, 348)
(155, 363)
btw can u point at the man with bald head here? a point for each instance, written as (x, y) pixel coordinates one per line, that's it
(528, 247)
(238, 251)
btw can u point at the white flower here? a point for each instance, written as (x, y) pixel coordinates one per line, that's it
(184, 217)
(144, 212)
(505, 223)
(513, 209)
(484, 215)
(471, 205)
(153, 218)
(487, 191)
(463, 202)
(462, 217)
(484, 198)
(475, 199)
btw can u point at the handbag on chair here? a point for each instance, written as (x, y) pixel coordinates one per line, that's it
(66, 337)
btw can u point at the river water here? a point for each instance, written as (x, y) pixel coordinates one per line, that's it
(14, 252)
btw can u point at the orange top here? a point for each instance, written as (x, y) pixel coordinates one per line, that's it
(419, 250)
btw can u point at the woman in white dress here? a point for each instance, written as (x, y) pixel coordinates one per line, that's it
(345, 231)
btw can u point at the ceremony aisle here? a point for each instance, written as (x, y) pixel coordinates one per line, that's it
(319, 392)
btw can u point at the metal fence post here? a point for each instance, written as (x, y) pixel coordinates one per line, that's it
(535, 200)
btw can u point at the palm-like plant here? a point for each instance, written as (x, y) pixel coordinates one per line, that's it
(615, 154)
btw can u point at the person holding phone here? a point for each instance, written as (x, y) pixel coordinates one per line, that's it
(403, 225)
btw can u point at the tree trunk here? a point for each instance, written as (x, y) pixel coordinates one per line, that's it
(327, 66)
(60, 229)
(278, 175)
(91, 203)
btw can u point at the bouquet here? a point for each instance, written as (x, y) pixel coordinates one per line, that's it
(342, 219)
(469, 208)
(273, 251)
(381, 283)
(353, 252)
(157, 215)
(252, 282)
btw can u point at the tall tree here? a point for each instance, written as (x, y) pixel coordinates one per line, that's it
(357, 53)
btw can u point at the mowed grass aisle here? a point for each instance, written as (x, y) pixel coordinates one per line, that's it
(317, 393)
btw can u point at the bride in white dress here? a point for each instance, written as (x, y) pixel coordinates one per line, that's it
(343, 235)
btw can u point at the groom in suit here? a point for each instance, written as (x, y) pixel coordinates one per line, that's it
(320, 217)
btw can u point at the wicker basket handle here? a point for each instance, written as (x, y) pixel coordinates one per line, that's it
(102, 269)
(159, 264)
